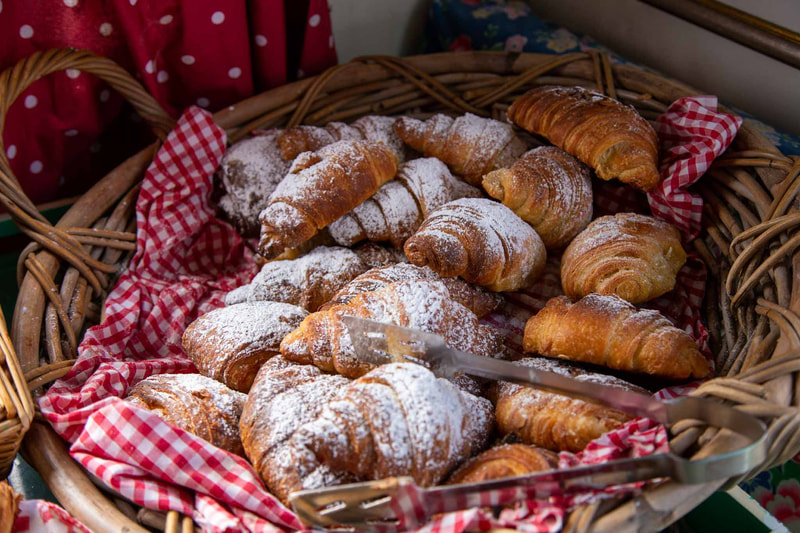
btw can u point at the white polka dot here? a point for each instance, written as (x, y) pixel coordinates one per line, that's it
(261, 40)
(11, 151)
(188, 60)
(71, 133)
(330, 41)
(73, 73)
(203, 102)
(218, 17)
(70, 3)
(314, 21)
(25, 31)
(31, 101)
(133, 2)
(36, 167)
(150, 67)
(1, 7)
(162, 76)
(104, 95)
(234, 73)
(166, 19)
(106, 29)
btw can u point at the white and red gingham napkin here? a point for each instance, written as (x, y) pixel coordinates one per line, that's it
(186, 261)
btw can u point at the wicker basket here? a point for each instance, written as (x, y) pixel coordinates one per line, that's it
(749, 242)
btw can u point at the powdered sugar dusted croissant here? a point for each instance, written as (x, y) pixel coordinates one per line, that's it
(321, 187)
(398, 420)
(470, 145)
(399, 206)
(633, 256)
(375, 128)
(608, 136)
(549, 189)
(230, 344)
(480, 240)
(608, 331)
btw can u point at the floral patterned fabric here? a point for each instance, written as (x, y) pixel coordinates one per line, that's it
(509, 25)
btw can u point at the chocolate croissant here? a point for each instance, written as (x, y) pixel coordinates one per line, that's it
(608, 136)
(195, 403)
(555, 421)
(395, 212)
(480, 240)
(470, 145)
(321, 187)
(508, 460)
(398, 420)
(231, 343)
(608, 331)
(549, 189)
(633, 256)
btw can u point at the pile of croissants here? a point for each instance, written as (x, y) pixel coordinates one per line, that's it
(425, 224)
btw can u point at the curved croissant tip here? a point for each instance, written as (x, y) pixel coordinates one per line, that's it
(493, 184)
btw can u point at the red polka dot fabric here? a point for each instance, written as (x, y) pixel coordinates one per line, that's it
(69, 129)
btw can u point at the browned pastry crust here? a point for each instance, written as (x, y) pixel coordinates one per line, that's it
(480, 240)
(321, 187)
(398, 420)
(195, 403)
(549, 189)
(555, 421)
(470, 145)
(608, 136)
(608, 331)
(633, 256)
(283, 398)
(231, 343)
(507, 460)
(9, 506)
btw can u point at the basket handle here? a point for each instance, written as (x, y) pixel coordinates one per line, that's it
(13, 82)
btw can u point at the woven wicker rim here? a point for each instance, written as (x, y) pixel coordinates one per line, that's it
(750, 244)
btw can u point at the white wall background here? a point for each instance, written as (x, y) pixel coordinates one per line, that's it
(749, 80)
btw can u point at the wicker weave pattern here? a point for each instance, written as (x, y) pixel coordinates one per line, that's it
(750, 243)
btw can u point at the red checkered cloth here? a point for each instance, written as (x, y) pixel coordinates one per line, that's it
(185, 262)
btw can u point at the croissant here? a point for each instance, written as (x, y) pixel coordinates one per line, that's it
(476, 299)
(374, 128)
(555, 421)
(283, 398)
(248, 173)
(470, 145)
(608, 136)
(312, 279)
(549, 189)
(608, 331)
(321, 187)
(398, 420)
(195, 403)
(323, 340)
(508, 460)
(633, 256)
(229, 344)
(395, 212)
(480, 240)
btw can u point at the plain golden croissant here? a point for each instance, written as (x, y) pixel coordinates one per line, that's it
(398, 420)
(507, 460)
(470, 145)
(284, 397)
(395, 212)
(480, 240)
(312, 279)
(374, 128)
(608, 136)
(554, 421)
(549, 189)
(633, 256)
(321, 187)
(608, 331)
(476, 299)
(231, 343)
(323, 340)
(200, 405)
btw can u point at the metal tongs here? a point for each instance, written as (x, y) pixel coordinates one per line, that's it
(386, 504)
